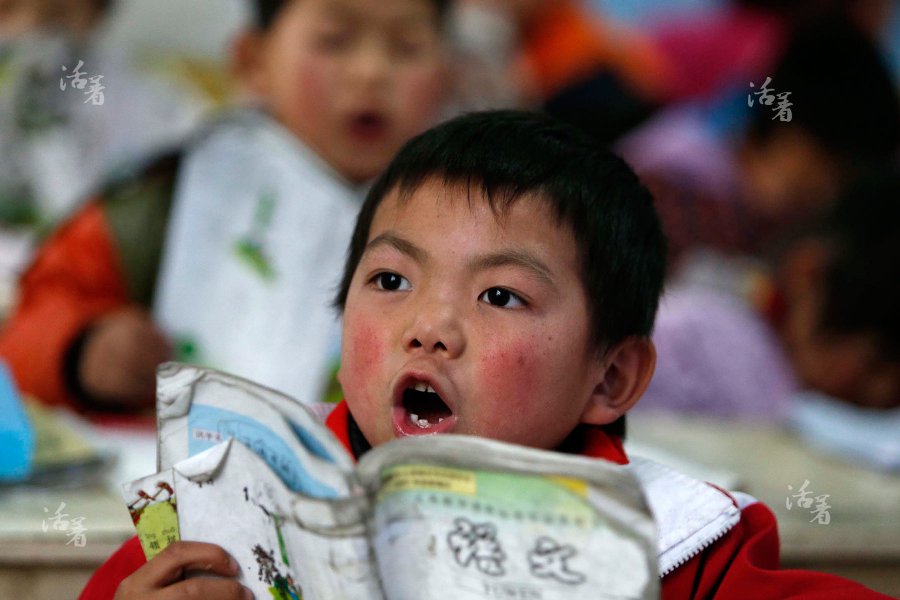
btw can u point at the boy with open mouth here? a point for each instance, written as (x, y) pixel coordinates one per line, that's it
(502, 281)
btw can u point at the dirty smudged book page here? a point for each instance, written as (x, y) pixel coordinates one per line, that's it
(453, 516)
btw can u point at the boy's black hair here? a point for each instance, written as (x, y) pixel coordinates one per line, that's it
(842, 92)
(509, 154)
(265, 11)
(862, 278)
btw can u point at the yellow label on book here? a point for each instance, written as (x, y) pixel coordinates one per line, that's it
(577, 486)
(405, 478)
(157, 528)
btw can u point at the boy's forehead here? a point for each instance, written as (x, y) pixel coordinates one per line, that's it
(435, 198)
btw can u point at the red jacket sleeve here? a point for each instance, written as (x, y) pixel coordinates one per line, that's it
(75, 277)
(105, 580)
(744, 564)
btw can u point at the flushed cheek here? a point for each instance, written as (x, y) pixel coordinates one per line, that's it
(363, 354)
(511, 377)
(311, 83)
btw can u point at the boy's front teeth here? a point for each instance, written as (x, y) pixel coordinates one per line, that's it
(422, 423)
(423, 387)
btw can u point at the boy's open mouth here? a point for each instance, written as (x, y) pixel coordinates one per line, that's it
(368, 125)
(421, 410)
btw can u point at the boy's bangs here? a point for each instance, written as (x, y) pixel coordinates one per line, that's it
(500, 194)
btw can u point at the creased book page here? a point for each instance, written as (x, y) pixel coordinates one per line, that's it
(228, 496)
(198, 408)
(466, 518)
(418, 518)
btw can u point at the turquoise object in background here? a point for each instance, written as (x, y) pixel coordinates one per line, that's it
(16, 432)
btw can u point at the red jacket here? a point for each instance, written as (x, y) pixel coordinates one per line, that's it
(104, 258)
(742, 564)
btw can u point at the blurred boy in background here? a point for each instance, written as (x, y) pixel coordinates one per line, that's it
(233, 241)
(825, 320)
(74, 104)
(560, 56)
(740, 191)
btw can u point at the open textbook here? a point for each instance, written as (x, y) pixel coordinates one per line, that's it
(451, 516)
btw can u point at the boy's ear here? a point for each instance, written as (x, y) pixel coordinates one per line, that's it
(247, 62)
(623, 375)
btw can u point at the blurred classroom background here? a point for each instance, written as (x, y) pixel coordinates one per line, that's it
(768, 131)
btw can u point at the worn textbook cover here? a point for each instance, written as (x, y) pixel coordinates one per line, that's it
(448, 516)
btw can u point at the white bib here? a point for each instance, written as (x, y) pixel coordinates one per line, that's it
(254, 251)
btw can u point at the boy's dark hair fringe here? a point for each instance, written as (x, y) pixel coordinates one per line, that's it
(509, 154)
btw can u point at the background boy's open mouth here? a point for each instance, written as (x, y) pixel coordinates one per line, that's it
(369, 125)
(421, 411)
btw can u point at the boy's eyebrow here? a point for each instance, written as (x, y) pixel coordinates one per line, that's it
(513, 258)
(398, 243)
(503, 258)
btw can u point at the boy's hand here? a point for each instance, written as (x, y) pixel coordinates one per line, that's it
(119, 358)
(163, 577)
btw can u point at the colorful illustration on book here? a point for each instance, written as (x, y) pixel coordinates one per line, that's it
(155, 516)
(250, 248)
(767, 97)
(280, 586)
(477, 542)
(276, 520)
(817, 505)
(79, 80)
(548, 560)
(73, 527)
(163, 492)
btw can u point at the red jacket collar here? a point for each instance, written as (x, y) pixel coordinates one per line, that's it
(594, 442)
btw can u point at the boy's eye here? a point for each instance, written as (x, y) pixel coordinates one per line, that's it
(502, 297)
(408, 48)
(391, 282)
(333, 39)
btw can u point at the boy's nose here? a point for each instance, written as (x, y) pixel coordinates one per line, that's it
(436, 330)
(371, 64)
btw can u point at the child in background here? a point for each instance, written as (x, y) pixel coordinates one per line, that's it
(74, 104)
(824, 320)
(502, 281)
(562, 56)
(738, 173)
(233, 242)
